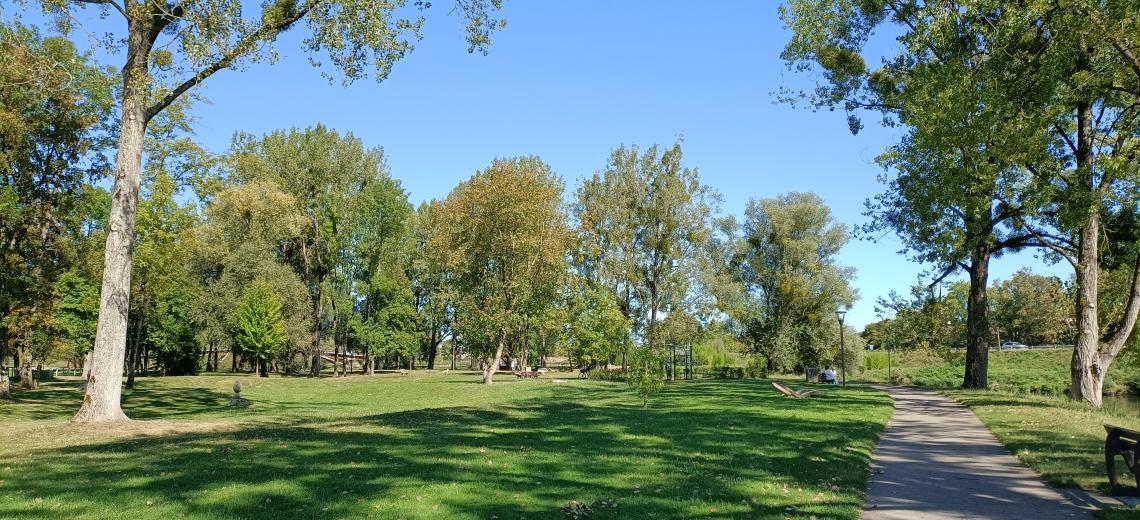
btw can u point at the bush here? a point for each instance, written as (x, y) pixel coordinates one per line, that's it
(875, 360)
(727, 372)
(606, 374)
(757, 367)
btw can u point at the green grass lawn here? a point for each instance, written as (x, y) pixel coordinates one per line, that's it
(440, 446)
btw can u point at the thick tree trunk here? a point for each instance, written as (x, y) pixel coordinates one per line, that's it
(263, 366)
(27, 376)
(1086, 370)
(977, 322)
(101, 401)
(493, 366)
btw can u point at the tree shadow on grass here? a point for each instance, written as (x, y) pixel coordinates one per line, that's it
(716, 449)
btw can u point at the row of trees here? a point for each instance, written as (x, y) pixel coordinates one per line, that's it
(300, 245)
(1020, 130)
(1026, 308)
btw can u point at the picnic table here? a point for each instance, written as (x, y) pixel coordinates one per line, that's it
(527, 373)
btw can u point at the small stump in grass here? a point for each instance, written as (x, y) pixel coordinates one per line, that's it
(237, 399)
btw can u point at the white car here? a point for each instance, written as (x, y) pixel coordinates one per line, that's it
(1010, 345)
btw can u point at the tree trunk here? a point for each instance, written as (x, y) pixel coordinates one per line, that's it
(263, 366)
(489, 371)
(977, 321)
(433, 347)
(27, 376)
(5, 383)
(101, 400)
(133, 352)
(316, 368)
(369, 365)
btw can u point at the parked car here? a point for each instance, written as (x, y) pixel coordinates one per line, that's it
(1010, 345)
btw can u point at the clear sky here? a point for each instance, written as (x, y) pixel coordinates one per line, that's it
(569, 81)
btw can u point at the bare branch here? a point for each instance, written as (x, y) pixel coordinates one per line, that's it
(111, 3)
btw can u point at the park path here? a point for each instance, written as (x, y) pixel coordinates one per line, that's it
(936, 461)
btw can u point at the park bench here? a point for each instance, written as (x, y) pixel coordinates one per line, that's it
(1126, 443)
(527, 373)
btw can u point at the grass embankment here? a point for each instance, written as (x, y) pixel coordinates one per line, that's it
(1037, 371)
(440, 446)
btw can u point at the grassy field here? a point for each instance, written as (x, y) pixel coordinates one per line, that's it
(440, 446)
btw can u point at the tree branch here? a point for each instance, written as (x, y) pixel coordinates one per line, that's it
(242, 47)
(111, 3)
(1128, 322)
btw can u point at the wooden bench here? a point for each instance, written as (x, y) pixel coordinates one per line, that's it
(1126, 444)
(530, 373)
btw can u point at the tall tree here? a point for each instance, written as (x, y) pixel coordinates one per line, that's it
(170, 48)
(1077, 100)
(788, 263)
(502, 233)
(341, 188)
(54, 111)
(948, 199)
(642, 223)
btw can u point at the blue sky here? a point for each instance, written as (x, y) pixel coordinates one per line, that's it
(569, 81)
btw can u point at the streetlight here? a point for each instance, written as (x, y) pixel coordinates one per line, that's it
(839, 313)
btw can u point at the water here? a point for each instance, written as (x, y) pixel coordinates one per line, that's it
(1123, 405)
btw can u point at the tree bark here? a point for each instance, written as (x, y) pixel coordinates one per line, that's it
(101, 400)
(263, 367)
(133, 354)
(977, 321)
(433, 347)
(1086, 370)
(316, 368)
(5, 383)
(489, 371)
(27, 376)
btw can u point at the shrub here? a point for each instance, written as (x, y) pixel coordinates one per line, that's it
(875, 360)
(606, 374)
(757, 367)
(727, 372)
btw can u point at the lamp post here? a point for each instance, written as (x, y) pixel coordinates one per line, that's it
(842, 351)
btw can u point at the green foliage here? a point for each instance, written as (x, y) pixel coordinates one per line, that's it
(757, 367)
(171, 333)
(76, 313)
(646, 373)
(642, 224)
(55, 108)
(502, 235)
(260, 326)
(1032, 309)
(598, 330)
(787, 262)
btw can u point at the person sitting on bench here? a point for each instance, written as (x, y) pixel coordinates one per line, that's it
(828, 376)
